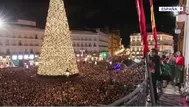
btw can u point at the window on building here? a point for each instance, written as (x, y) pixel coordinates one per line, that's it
(85, 44)
(37, 53)
(94, 39)
(8, 52)
(78, 45)
(94, 45)
(36, 37)
(131, 49)
(20, 43)
(81, 44)
(73, 44)
(31, 44)
(31, 51)
(25, 51)
(89, 44)
(135, 48)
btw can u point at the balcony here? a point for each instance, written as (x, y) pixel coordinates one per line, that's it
(36, 44)
(31, 38)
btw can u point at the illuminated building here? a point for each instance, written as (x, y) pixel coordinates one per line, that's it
(21, 41)
(114, 42)
(165, 44)
(91, 42)
(26, 38)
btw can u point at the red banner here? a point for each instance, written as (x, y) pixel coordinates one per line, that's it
(154, 31)
(142, 25)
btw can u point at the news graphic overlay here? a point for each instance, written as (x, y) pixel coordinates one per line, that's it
(171, 9)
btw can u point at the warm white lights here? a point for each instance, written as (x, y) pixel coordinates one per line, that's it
(14, 57)
(57, 53)
(1, 23)
(20, 57)
(31, 57)
(26, 57)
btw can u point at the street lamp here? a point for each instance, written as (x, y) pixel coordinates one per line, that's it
(82, 51)
(67, 73)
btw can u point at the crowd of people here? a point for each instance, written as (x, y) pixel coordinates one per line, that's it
(98, 85)
(173, 68)
(168, 68)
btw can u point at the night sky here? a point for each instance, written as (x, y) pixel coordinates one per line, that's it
(115, 14)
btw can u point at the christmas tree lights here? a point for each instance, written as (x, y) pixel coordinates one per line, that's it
(57, 53)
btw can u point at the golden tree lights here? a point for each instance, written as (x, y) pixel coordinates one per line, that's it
(57, 53)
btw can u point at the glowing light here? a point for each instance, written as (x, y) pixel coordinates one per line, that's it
(1, 23)
(95, 63)
(31, 57)
(85, 59)
(14, 57)
(57, 53)
(20, 57)
(26, 57)
(175, 13)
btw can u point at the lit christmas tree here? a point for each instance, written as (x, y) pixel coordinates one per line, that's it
(57, 53)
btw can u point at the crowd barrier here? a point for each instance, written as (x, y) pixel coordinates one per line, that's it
(137, 97)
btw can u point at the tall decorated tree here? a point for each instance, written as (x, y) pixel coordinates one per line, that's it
(57, 53)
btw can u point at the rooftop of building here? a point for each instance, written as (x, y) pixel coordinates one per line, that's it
(26, 27)
(83, 32)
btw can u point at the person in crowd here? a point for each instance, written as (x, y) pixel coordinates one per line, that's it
(155, 59)
(171, 62)
(179, 69)
(165, 75)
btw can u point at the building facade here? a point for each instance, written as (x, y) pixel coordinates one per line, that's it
(21, 39)
(114, 42)
(91, 42)
(165, 44)
(24, 39)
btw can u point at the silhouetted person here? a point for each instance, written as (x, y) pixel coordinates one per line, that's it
(155, 70)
